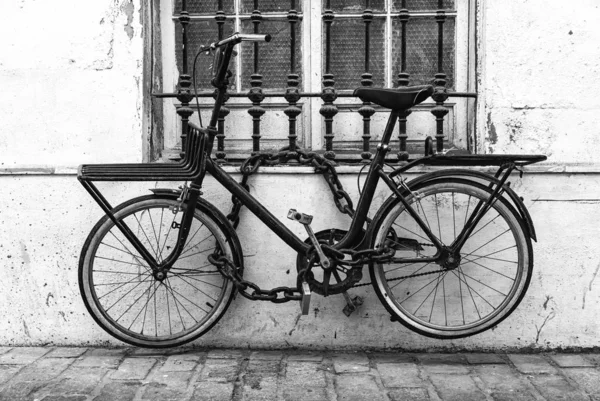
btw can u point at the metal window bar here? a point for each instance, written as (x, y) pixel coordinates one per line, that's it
(328, 94)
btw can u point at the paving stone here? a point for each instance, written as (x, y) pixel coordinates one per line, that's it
(399, 375)
(118, 391)
(224, 354)
(220, 370)
(392, 357)
(453, 364)
(588, 379)
(66, 352)
(20, 391)
(571, 361)
(594, 358)
(447, 359)
(102, 358)
(305, 357)
(446, 369)
(556, 388)
(408, 394)
(456, 388)
(350, 363)
(305, 394)
(261, 366)
(76, 380)
(503, 382)
(64, 398)
(484, 359)
(358, 388)
(8, 371)
(299, 374)
(260, 388)
(210, 391)
(23, 355)
(512, 396)
(133, 369)
(180, 363)
(43, 370)
(267, 355)
(155, 391)
(532, 364)
(167, 386)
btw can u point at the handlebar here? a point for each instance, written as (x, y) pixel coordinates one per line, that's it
(241, 37)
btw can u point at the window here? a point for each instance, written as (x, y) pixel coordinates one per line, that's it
(350, 63)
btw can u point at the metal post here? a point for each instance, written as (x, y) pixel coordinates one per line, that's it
(440, 94)
(403, 80)
(255, 94)
(328, 109)
(292, 94)
(366, 110)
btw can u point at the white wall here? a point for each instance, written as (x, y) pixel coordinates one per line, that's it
(71, 94)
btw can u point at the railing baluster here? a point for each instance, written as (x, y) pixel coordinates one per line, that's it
(366, 110)
(403, 80)
(220, 154)
(184, 84)
(440, 94)
(255, 94)
(292, 94)
(328, 109)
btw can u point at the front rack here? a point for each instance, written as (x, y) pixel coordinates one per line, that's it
(189, 168)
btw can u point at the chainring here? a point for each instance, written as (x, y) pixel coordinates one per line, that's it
(342, 277)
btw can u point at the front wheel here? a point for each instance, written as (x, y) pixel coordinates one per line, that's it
(129, 302)
(451, 300)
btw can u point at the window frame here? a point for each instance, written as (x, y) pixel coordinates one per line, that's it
(311, 127)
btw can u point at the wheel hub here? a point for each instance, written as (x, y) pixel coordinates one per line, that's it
(449, 260)
(160, 275)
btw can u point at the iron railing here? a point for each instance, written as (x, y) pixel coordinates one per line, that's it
(328, 94)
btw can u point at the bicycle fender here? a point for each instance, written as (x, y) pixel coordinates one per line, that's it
(462, 173)
(216, 215)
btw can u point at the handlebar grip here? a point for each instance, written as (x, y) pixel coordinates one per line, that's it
(254, 37)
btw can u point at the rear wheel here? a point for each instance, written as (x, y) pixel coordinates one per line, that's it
(451, 300)
(129, 302)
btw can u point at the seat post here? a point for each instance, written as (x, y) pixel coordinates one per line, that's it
(389, 128)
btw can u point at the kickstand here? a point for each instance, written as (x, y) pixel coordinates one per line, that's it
(352, 304)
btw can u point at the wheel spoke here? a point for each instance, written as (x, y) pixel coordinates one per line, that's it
(492, 270)
(196, 288)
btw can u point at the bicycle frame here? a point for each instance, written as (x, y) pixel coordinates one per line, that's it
(355, 236)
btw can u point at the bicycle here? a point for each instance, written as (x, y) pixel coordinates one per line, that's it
(449, 253)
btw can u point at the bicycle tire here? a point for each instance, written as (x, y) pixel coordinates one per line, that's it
(487, 286)
(173, 311)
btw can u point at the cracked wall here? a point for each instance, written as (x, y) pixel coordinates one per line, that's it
(538, 79)
(69, 82)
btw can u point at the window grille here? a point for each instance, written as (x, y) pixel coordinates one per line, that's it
(297, 90)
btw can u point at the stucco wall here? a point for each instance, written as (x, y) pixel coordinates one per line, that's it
(72, 94)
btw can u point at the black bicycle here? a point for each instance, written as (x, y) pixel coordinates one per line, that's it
(449, 253)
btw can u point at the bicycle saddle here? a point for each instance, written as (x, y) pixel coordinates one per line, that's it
(397, 98)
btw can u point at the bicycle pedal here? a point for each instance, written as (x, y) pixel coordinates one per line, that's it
(305, 302)
(302, 218)
(352, 305)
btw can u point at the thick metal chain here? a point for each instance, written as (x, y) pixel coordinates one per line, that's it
(342, 201)
(230, 271)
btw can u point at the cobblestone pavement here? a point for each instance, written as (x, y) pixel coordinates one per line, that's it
(79, 374)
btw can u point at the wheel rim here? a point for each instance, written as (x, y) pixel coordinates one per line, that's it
(480, 291)
(133, 302)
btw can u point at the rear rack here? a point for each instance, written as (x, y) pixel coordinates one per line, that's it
(471, 160)
(188, 168)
